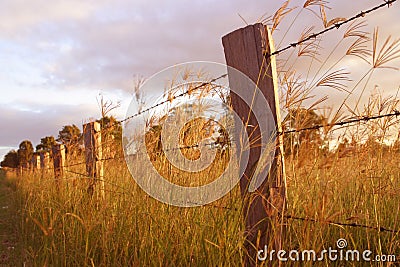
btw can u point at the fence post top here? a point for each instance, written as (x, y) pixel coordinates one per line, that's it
(96, 126)
(258, 26)
(57, 147)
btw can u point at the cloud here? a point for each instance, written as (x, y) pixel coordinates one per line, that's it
(30, 124)
(104, 46)
(122, 40)
(34, 121)
(19, 16)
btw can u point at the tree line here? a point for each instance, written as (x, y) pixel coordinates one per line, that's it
(70, 136)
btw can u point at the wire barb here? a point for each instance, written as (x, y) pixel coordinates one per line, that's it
(341, 123)
(333, 27)
(380, 229)
(266, 54)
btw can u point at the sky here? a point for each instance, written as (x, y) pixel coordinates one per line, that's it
(56, 57)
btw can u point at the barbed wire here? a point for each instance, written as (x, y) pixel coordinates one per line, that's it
(395, 113)
(88, 177)
(173, 98)
(268, 55)
(333, 27)
(304, 219)
(356, 225)
(380, 228)
(75, 164)
(65, 167)
(342, 123)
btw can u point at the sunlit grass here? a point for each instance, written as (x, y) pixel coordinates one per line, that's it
(67, 227)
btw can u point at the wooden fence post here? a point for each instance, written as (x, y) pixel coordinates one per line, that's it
(36, 162)
(20, 170)
(44, 161)
(245, 50)
(58, 151)
(31, 164)
(93, 155)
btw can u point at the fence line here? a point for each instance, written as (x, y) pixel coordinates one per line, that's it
(345, 123)
(396, 113)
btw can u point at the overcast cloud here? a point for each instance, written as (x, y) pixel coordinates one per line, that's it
(57, 56)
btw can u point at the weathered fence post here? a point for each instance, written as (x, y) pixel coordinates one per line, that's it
(31, 164)
(19, 170)
(58, 151)
(93, 155)
(44, 160)
(36, 162)
(246, 50)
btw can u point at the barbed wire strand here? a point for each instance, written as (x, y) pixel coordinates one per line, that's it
(333, 27)
(395, 113)
(342, 123)
(173, 98)
(314, 127)
(279, 51)
(304, 219)
(380, 228)
(90, 178)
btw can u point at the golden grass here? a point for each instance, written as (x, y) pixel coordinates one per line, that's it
(359, 184)
(129, 228)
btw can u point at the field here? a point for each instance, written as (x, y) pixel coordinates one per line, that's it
(66, 227)
(343, 183)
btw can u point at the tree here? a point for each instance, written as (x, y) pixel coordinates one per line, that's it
(111, 135)
(72, 138)
(46, 144)
(298, 119)
(70, 135)
(111, 126)
(25, 153)
(106, 106)
(196, 129)
(10, 160)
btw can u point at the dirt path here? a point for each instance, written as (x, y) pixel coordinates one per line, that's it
(9, 252)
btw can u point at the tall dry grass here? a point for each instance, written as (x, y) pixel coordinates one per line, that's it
(357, 183)
(67, 227)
